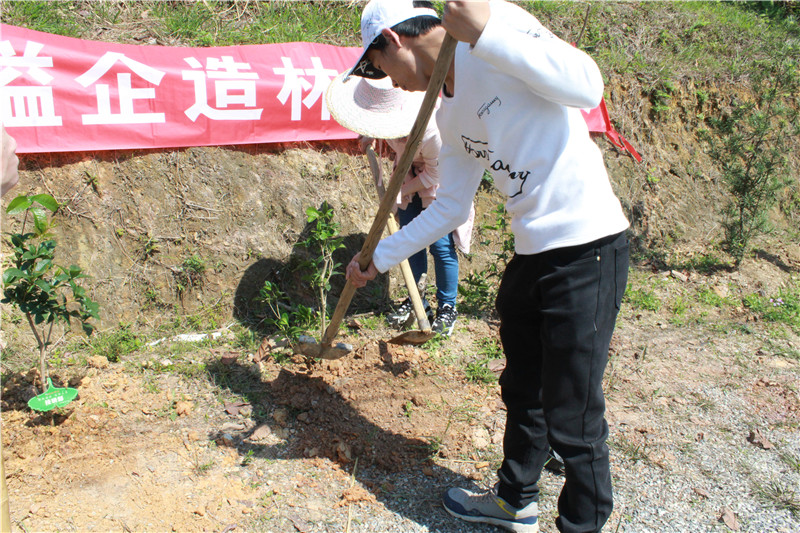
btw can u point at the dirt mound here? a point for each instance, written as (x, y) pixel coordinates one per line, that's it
(180, 454)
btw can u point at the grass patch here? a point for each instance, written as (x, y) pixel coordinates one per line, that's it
(59, 18)
(704, 263)
(642, 299)
(114, 345)
(633, 451)
(710, 297)
(656, 41)
(372, 322)
(791, 461)
(783, 307)
(477, 293)
(478, 371)
(779, 496)
(196, 24)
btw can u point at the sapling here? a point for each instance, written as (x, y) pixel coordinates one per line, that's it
(47, 294)
(752, 145)
(289, 320)
(322, 242)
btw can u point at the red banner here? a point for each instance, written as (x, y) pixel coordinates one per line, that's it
(59, 94)
(599, 122)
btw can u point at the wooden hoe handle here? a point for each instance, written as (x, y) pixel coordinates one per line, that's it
(405, 266)
(440, 69)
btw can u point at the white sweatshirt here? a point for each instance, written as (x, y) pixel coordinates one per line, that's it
(515, 112)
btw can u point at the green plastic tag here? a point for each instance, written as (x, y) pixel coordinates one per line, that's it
(52, 398)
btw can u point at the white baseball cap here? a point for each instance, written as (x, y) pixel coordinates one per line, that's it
(377, 16)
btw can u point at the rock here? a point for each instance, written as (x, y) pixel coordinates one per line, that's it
(183, 408)
(480, 442)
(344, 452)
(98, 361)
(680, 276)
(235, 408)
(281, 416)
(226, 439)
(480, 438)
(261, 432)
(497, 438)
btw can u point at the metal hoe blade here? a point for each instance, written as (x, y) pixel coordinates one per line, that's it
(414, 336)
(309, 347)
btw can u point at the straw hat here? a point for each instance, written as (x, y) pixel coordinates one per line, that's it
(372, 107)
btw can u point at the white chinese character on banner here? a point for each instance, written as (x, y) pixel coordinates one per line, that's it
(22, 105)
(127, 94)
(294, 85)
(231, 87)
(322, 78)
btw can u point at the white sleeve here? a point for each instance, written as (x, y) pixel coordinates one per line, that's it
(460, 178)
(517, 44)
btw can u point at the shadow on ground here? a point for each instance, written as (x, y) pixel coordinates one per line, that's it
(396, 469)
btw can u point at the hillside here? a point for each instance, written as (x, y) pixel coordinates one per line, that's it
(202, 436)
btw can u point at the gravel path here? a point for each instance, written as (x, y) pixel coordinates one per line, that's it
(682, 457)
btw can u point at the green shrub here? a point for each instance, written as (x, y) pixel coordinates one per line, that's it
(45, 293)
(751, 147)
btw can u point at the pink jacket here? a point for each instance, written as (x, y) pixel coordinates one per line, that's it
(423, 179)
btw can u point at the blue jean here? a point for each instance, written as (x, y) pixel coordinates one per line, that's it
(557, 312)
(445, 259)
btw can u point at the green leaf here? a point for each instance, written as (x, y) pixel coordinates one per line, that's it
(78, 291)
(10, 275)
(47, 201)
(18, 205)
(39, 219)
(42, 284)
(42, 266)
(92, 307)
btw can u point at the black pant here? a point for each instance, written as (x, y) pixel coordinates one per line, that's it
(557, 312)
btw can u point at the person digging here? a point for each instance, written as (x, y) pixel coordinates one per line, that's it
(378, 111)
(511, 107)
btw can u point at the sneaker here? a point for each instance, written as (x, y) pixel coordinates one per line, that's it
(489, 508)
(404, 315)
(445, 320)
